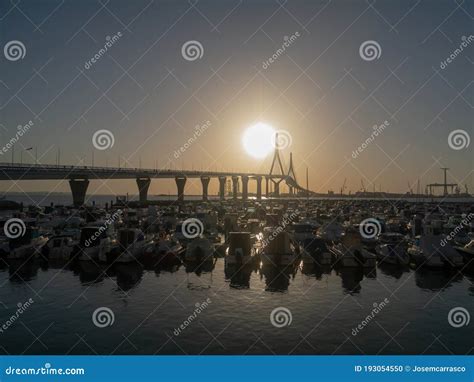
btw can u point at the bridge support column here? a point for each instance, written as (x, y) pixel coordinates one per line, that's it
(276, 188)
(205, 183)
(143, 185)
(180, 182)
(78, 189)
(245, 187)
(266, 187)
(235, 186)
(222, 180)
(259, 187)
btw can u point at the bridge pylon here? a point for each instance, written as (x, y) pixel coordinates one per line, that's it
(143, 186)
(276, 161)
(78, 189)
(180, 183)
(291, 175)
(205, 184)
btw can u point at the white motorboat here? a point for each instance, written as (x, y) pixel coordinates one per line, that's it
(303, 231)
(351, 253)
(316, 251)
(468, 248)
(392, 249)
(279, 249)
(392, 254)
(58, 247)
(131, 246)
(167, 250)
(240, 251)
(467, 252)
(199, 250)
(94, 243)
(27, 245)
(331, 232)
(428, 251)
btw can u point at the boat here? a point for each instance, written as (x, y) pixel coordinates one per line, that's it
(316, 251)
(351, 253)
(253, 225)
(27, 245)
(199, 250)
(58, 247)
(279, 249)
(392, 249)
(240, 251)
(168, 251)
(131, 246)
(428, 251)
(331, 232)
(303, 231)
(467, 252)
(94, 243)
(392, 254)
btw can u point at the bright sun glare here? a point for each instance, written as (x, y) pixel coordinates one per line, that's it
(258, 140)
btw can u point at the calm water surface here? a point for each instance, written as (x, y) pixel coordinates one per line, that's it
(149, 305)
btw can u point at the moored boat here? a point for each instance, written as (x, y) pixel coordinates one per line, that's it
(58, 247)
(29, 244)
(351, 253)
(279, 249)
(240, 251)
(316, 251)
(199, 250)
(131, 245)
(429, 251)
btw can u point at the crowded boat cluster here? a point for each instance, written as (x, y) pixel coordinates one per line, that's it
(330, 234)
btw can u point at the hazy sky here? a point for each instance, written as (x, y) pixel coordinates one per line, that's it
(320, 90)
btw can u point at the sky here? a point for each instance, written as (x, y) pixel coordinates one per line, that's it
(322, 91)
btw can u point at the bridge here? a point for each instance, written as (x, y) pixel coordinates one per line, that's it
(80, 176)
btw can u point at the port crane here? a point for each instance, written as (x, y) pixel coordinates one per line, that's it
(444, 185)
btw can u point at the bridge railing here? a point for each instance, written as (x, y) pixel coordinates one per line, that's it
(108, 170)
(23, 166)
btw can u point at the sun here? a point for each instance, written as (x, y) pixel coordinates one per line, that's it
(258, 140)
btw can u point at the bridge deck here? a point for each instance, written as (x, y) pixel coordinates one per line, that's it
(16, 171)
